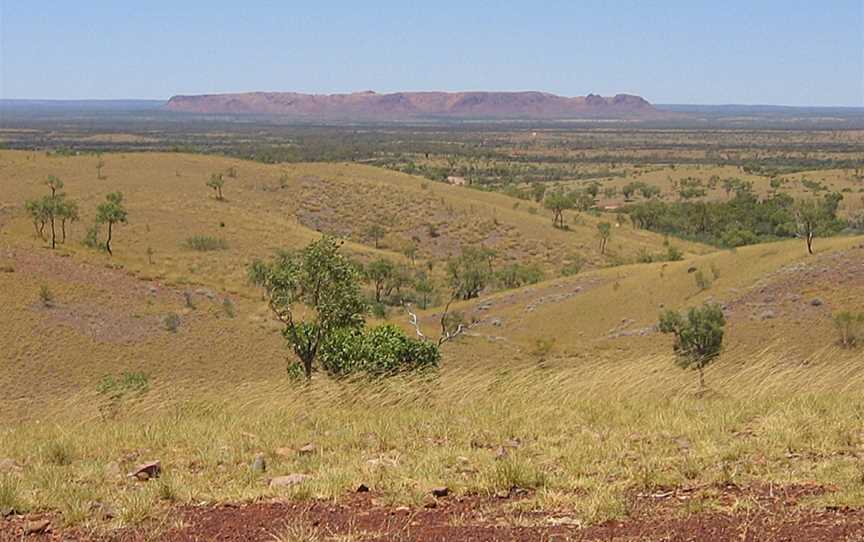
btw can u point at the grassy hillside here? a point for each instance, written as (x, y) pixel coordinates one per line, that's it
(563, 389)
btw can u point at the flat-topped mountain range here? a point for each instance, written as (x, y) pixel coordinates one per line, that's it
(413, 105)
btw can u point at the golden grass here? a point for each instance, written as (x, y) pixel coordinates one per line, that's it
(584, 439)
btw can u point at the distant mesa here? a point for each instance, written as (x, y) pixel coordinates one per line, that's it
(369, 105)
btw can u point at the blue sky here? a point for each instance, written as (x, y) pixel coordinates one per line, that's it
(697, 51)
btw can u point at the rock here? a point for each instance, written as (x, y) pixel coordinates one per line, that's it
(440, 491)
(691, 269)
(767, 315)
(501, 453)
(309, 449)
(564, 521)
(362, 488)
(816, 302)
(496, 322)
(502, 494)
(401, 509)
(145, 471)
(289, 480)
(41, 526)
(259, 464)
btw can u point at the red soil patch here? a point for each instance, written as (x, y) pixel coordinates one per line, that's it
(771, 514)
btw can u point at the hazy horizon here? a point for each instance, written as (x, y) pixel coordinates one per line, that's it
(674, 52)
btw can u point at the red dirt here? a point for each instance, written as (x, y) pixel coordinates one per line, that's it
(771, 514)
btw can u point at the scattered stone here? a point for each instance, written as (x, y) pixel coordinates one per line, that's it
(362, 488)
(289, 480)
(767, 315)
(691, 269)
(146, 471)
(440, 491)
(259, 464)
(816, 302)
(496, 322)
(566, 520)
(309, 449)
(41, 526)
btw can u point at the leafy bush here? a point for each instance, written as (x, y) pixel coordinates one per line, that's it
(516, 275)
(377, 351)
(205, 243)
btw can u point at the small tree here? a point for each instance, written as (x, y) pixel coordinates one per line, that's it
(815, 217)
(558, 202)
(111, 212)
(67, 211)
(323, 281)
(375, 233)
(424, 288)
(37, 213)
(469, 273)
(216, 182)
(380, 272)
(604, 231)
(698, 336)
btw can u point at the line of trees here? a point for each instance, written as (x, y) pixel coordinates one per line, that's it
(56, 209)
(743, 220)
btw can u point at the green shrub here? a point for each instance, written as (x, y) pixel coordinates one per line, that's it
(573, 265)
(127, 382)
(674, 254)
(850, 328)
(228, 308)
(703, 281)
(172, 322)
(377, 351)
(516, 275)
(46, 297)
(58, 453)
(205, 243)
(91, 238)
